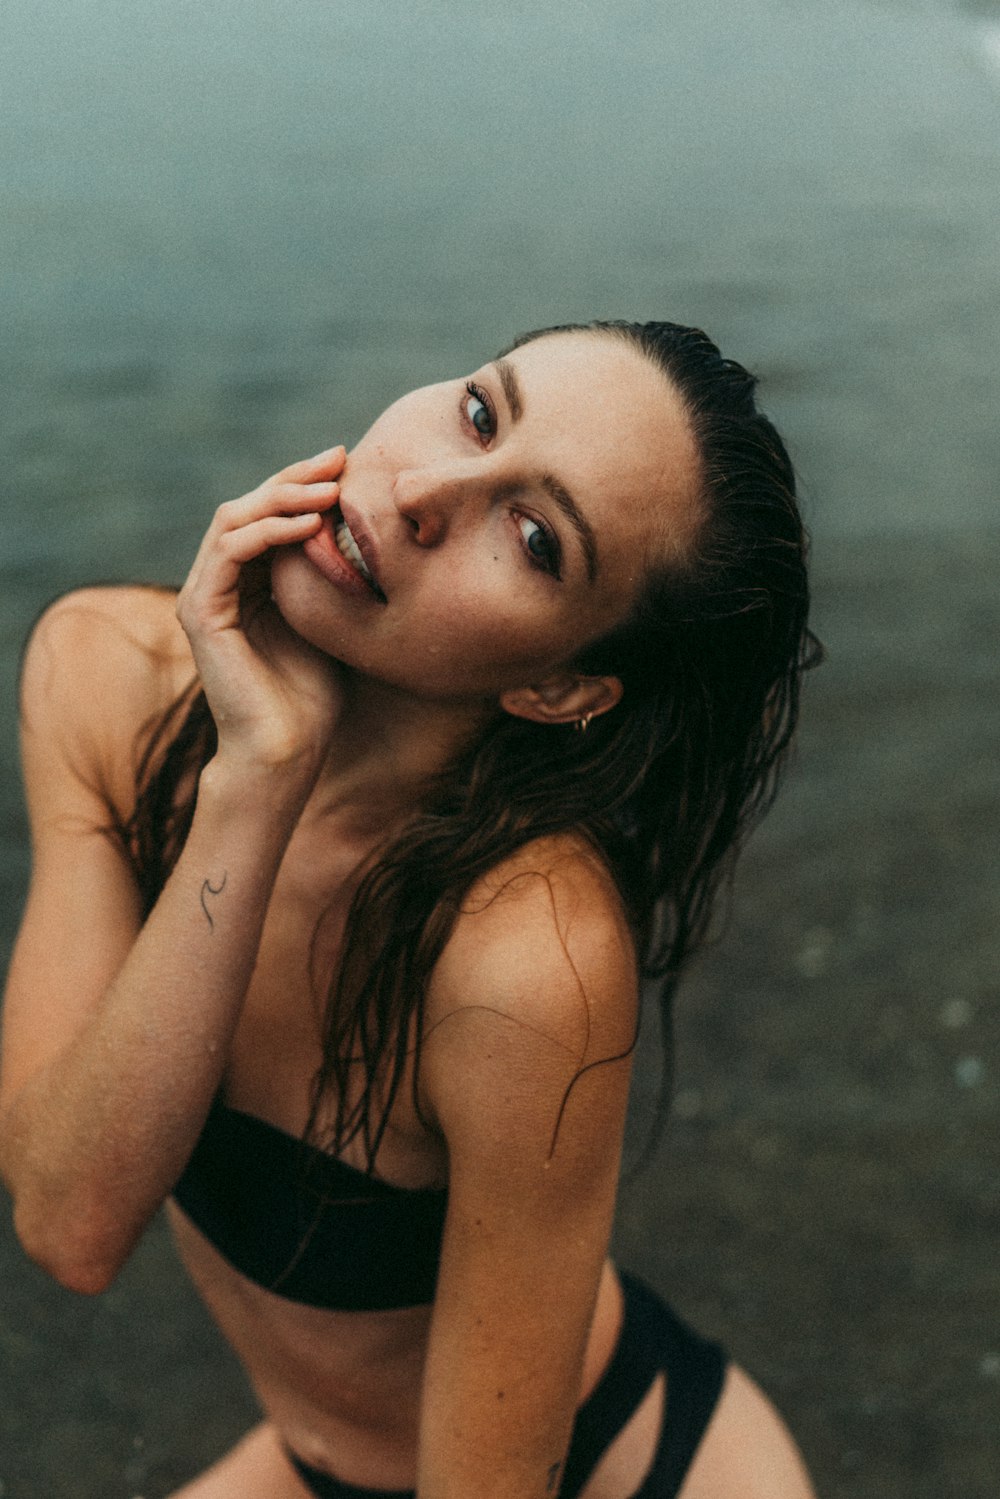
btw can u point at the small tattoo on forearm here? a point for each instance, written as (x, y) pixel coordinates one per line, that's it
(207, 889)
(552, 1478)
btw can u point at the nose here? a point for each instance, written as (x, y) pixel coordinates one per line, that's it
(430, 499)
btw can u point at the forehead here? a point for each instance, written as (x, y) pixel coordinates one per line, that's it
(615, 431)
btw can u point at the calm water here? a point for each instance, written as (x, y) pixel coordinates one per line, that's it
(230, 233)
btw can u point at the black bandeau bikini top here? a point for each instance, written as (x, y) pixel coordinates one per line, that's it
(307, 1226)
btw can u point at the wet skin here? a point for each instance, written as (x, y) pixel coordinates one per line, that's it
(502, 525)
(483, 584)
(486, 583)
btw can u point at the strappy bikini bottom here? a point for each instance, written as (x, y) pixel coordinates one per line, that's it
(653, 1341)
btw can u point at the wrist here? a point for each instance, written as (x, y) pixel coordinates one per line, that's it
(277, 792)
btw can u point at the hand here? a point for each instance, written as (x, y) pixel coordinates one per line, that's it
(274, 697)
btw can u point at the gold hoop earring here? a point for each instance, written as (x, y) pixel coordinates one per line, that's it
(583, 724)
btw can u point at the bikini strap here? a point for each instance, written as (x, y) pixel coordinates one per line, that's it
(653, 1341)
(616, 1397)
(695, 1369)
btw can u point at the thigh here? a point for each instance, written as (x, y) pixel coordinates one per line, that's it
(627, 1461)
(747, 1451)
(256, 1468)
(697, 1428)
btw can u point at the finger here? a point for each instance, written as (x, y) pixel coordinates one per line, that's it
(272, 498)
(306, 470)
(242, 545)
(285, 494)
(216, 569)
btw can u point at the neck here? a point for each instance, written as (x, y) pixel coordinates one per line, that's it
(385, 750)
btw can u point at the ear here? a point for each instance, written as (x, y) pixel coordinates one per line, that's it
(563, 698)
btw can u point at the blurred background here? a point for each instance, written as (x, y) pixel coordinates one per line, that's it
(229, 235)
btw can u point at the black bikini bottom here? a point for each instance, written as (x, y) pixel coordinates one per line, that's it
(653, 1341)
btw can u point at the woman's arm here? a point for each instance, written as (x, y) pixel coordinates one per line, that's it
(114, 1038)
(534, 988)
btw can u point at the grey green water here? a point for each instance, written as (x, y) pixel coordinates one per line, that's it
(230, 233)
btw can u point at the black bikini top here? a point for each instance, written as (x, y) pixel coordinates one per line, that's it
(307, 1226)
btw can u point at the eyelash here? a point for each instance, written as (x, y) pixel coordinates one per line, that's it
(478, 394)
(552, 562)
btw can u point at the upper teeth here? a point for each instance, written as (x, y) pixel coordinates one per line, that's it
(348, 547)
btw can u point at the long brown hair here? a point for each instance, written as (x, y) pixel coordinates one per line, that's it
(664, 787)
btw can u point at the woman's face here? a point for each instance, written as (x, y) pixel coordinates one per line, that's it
(505, 521)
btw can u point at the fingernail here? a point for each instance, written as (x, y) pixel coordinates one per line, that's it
(329, 452)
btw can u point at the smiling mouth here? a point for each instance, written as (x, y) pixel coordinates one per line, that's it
(351, 552)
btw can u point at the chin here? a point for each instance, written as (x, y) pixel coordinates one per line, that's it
(303, 599)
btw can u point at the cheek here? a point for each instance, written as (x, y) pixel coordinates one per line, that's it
(473, 632)
(492, 636)
(308, 605)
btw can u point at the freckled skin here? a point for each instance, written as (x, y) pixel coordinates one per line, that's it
(468, 613)
(218, 988)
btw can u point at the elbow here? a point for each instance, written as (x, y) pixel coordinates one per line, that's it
(77, 1235)
(84, 1277)
(77, 1262)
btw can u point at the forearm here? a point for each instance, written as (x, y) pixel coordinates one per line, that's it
(93, 1142)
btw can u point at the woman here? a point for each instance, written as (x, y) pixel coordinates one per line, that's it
(480, 714)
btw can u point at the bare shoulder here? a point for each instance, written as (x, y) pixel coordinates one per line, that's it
(100, 664)
(98, 651)
(543, 939)
(536, 987)
(125, 622)
(525, 1068)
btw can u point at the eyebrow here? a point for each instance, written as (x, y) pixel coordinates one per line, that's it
(558, 492)
(577, 520)
(511, 388)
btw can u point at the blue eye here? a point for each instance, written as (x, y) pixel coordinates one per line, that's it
(479, 411)
(541, 546)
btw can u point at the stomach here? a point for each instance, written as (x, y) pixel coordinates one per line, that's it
(343, 1388)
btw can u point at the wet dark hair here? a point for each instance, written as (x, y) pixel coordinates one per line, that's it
(664, 787)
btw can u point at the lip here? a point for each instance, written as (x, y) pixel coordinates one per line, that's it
(366, 545)
(323, 552)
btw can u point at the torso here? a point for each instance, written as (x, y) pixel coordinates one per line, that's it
(342, 1387)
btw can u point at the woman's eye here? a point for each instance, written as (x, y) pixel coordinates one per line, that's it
(542, 547)
(478, 410)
